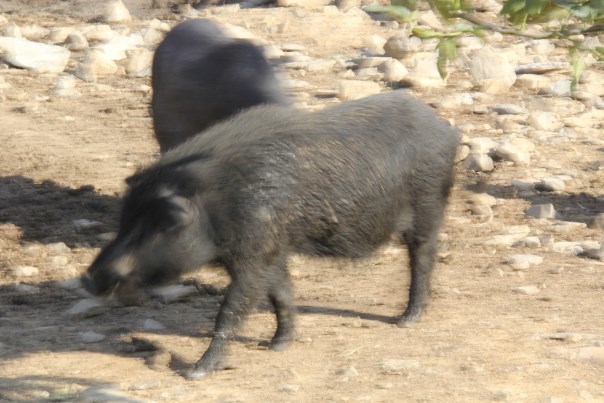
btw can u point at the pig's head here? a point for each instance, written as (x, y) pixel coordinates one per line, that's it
(164, 231)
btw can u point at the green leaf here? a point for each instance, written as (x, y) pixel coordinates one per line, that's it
(578, 66)
(398, 13)
(447, 51)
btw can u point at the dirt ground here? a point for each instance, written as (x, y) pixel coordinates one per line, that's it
(66, 159)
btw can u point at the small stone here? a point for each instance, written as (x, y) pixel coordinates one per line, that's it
(482, 145)
(373, 61)
(355, 89)
(116, 47)
(58, 247)
(462, 153)
(84, 224)
(91, 337)
(532, 81)
(527, 289)
(542, 67)
(34, 56)
(541, 120)
(597, 222)
(350, 372)
(12, 30)
(483, 198)
(172, 293)
(384, 385)
(76, 41)
(479, 162)
(481, 210)
(560, 88)
(289, 388)
(424, 73)
(525, 186)
(139, 62)
(146, 384)
(523, 144)
(71, 283)
(566, 247)
(398, 367)
(370, 73)
(521, 261)
(23, 271)
(393, 70)
(150, 324)
(512, 235)
(509, 109)
(508, 152)
(401, 45)
(375, 45)
(34, 32)
(86, 308)
(98, 33)
(593, 354)
(96, 63)
(491, 72)
(116, 11)
(541, 211)
(550, 184)
(529, 242)
(106, 393)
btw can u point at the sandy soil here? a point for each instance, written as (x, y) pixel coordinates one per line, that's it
(63, 160)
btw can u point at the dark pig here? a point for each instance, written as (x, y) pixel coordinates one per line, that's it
(200, 76)
(273, 181)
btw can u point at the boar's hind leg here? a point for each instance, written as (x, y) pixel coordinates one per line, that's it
(244, 292)
(280, 294)
(422, 242)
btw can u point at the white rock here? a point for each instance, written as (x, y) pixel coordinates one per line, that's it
(396, 366)
(491, 72)
(370, 73)
(542, 120)
(483, 198)
(151, 36)
(375, 45)
(424, 73)
(593, 354)
(116, 48)
(541, 211)
(107, 393)
(566, 247)
(524, 261)
(151, 324)
(393, 70)
(509, 109)
(159, 25)
(76, 41)
(430, 19)
(58, 247)
(139, 62)
(84, 223)
(401, 45)
(479, 162)
(560, 88)
(272, 52)
(34, 32)
(289, 388)
(512, 235)
(171, 293)
(98, 33)
(523, 185)
(532, 81)
(59, 35)
(567, 226)
(527, 289)
(462, 153)
(86, 308)
(550, 184)
(95, 64)
(319, 66)
(508, 152)
(355, 89)
(482, 145)
(523, 144)
(529, 242)
(542, 67)
(12, 30)
(34, 56)
(116, 11)
(71, 283)
(303, 3)
(91, 337)
(371, 61)
(453, 101)
(23, 271)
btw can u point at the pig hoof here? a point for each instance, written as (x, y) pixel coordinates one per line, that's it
(196, 374)
(279, 345)
(408, 319)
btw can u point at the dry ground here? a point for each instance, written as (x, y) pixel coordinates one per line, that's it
(64, 160)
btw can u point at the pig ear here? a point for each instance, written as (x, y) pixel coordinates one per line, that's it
(183, 211)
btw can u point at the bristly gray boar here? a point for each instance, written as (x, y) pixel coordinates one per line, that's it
(272, 181)
(200, 77)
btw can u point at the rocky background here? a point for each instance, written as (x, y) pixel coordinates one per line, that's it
(518, 290)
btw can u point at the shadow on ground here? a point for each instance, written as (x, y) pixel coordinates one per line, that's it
(45, 212)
